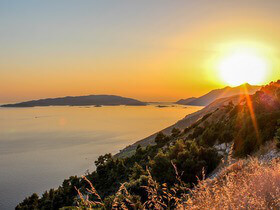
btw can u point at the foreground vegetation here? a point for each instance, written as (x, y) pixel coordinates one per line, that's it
(174, 163)
(241, 185)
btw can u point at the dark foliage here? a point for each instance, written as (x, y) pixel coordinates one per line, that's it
(188, 156)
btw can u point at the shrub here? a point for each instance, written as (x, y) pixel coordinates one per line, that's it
(161, 139)
(175, 132)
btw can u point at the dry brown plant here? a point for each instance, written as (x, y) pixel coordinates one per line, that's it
(246, 184)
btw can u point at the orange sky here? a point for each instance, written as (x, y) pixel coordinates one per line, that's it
(159, 51)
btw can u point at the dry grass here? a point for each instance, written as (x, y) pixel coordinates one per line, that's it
(85, 202)
(123, 199)
(245, 184)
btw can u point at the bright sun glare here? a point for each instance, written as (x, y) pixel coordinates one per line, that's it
(243, 66)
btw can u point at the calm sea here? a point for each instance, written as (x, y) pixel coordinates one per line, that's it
(41, 146)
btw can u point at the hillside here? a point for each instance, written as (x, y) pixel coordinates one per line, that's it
(182, 124)
(160, 175)
(219, 93)
(185, 101)
(97, 100)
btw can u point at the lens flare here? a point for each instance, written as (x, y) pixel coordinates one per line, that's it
(243, 67)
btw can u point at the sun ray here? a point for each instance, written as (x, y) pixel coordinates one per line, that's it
(252, 112)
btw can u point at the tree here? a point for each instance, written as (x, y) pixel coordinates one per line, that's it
(161, 139)
(29, 203)
(102, 159)
(137, 171)
(162, 169)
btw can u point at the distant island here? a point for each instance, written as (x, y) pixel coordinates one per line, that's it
(219, 93)
(95, 100)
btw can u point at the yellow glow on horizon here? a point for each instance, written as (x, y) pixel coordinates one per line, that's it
(243, 66)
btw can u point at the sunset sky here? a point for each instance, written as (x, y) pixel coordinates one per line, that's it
(151, 50)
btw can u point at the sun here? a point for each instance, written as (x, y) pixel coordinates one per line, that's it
(243, 66)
